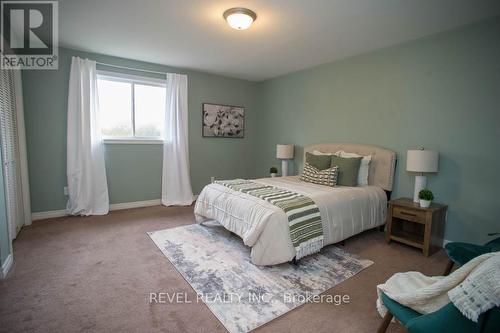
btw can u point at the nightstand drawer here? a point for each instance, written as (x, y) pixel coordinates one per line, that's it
(409, 214)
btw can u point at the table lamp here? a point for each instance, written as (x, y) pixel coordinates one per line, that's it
(421, 161)
(284, 153)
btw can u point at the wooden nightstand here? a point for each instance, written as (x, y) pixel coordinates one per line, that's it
(413, 225)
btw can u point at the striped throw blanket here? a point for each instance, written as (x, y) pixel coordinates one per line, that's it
(306, 230)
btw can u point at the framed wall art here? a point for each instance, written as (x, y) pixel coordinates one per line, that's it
(223, 121)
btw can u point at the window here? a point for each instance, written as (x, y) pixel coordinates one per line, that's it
(131, 107)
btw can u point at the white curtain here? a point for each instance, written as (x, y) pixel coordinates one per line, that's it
(87, 185)
(176, 183)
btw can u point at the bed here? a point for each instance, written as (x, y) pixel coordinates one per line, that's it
(345, 211)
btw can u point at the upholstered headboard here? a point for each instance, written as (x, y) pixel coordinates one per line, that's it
(382, 165)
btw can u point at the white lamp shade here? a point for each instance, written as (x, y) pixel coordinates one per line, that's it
(284, 151)
(422, 160)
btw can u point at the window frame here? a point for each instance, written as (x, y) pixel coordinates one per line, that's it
(133, 80)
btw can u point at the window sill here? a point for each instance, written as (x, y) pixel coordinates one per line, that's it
(132, 141)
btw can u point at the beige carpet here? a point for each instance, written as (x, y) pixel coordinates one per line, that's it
(95, 274)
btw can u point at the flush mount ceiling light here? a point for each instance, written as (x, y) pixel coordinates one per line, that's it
(240, 18)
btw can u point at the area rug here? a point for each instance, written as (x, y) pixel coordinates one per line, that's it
(241, 295)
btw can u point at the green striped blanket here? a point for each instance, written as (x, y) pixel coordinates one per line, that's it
(306, 230)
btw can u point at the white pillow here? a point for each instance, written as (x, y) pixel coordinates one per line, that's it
(317, 152)
(364, 167)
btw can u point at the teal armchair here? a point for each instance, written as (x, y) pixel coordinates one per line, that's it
(460, 253)
(448, 318)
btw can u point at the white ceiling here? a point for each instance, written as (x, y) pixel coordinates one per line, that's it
(287, 36)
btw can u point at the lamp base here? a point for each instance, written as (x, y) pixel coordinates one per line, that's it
(284, 168)
(420, 184)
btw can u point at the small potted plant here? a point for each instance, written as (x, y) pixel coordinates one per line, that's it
(273, 171)
(425, 197)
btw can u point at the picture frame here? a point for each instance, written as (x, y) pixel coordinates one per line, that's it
(223, 121)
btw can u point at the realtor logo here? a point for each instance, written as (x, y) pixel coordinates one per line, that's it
(29, 35)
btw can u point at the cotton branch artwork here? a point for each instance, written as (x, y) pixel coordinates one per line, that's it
(223, 121)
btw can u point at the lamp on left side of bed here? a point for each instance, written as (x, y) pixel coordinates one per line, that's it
(284, 153)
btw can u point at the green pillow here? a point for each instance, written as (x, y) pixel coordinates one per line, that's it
(348, 170)
(320, 162)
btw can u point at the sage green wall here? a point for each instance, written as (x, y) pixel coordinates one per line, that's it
(441, 92)
(134, 171)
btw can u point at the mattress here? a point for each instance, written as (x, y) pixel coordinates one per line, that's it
(345, 211)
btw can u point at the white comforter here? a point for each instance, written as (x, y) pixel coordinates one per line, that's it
(345, 211)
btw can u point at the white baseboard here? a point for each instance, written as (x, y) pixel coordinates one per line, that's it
(135, 204)
(47, 215)
(6, 266)
(118, 206)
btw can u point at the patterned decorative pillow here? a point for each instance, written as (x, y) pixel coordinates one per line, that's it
(326, 177)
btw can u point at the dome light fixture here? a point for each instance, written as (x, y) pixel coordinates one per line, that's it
(239, 18)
